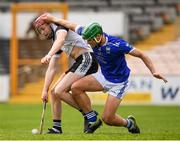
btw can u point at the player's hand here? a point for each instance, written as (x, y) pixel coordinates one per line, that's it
(159, 76)
(46, 17)
(44, 96)
(46, 59)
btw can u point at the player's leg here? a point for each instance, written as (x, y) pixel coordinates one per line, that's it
(84, 65)
(109, 115)
(88, 83)
(56, 110)
(65, 96)
(61, 92)
(55, 102)
(62, 89)
(113, 101)
(79, 88)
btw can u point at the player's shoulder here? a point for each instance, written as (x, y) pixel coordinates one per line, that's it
(79, 29)
(117, 43)
(74, 35)
(57, 27)
(113, 40)
(118, 39)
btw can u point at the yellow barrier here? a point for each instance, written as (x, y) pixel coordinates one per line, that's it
(129, 98)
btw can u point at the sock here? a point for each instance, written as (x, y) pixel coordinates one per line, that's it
(129, 123)
(91, 116)
(57, 124)
(84, 115)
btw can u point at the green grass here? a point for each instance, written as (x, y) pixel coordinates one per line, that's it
(156, 123)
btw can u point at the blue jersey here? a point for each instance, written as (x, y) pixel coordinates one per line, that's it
(111, 57)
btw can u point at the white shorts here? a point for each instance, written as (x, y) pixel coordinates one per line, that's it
(115, 89)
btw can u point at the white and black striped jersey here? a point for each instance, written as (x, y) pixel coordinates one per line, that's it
(72, 40)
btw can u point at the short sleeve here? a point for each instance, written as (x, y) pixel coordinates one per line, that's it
(125, 47)
(60, 27)
(79, 29)
(57, 54)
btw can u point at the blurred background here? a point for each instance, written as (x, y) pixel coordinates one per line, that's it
(150, 25)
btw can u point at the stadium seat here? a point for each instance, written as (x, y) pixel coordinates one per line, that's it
(155, 22)
(140, 31)
(168, 2)
(168, 14)
(132, 2)
(86, 3)
(166, 59)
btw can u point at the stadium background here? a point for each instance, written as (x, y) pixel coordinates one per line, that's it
(150, 25)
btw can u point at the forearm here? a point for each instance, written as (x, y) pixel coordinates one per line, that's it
(50, 73)
(65, 23)
(47, 17)
(56, 47)
(147, 61)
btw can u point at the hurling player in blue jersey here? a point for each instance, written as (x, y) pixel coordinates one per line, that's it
(112, 76)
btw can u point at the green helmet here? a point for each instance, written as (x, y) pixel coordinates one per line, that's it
(91, 31)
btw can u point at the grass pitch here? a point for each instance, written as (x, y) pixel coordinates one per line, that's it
(156, 123)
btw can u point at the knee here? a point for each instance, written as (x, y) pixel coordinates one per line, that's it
(53, 93)
(56, 93)
(75, 89)
(107, 119)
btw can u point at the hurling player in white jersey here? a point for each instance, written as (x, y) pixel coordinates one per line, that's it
(65, 40)
(113, 74)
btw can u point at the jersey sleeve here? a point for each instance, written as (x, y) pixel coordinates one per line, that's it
(125, 47)
(60, 27)
(57, 54)
(57, 28)
(79, 29)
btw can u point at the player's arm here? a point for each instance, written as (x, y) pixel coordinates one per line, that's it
(49, 76)
(58, 43)
(47, 17)
(147, 61)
